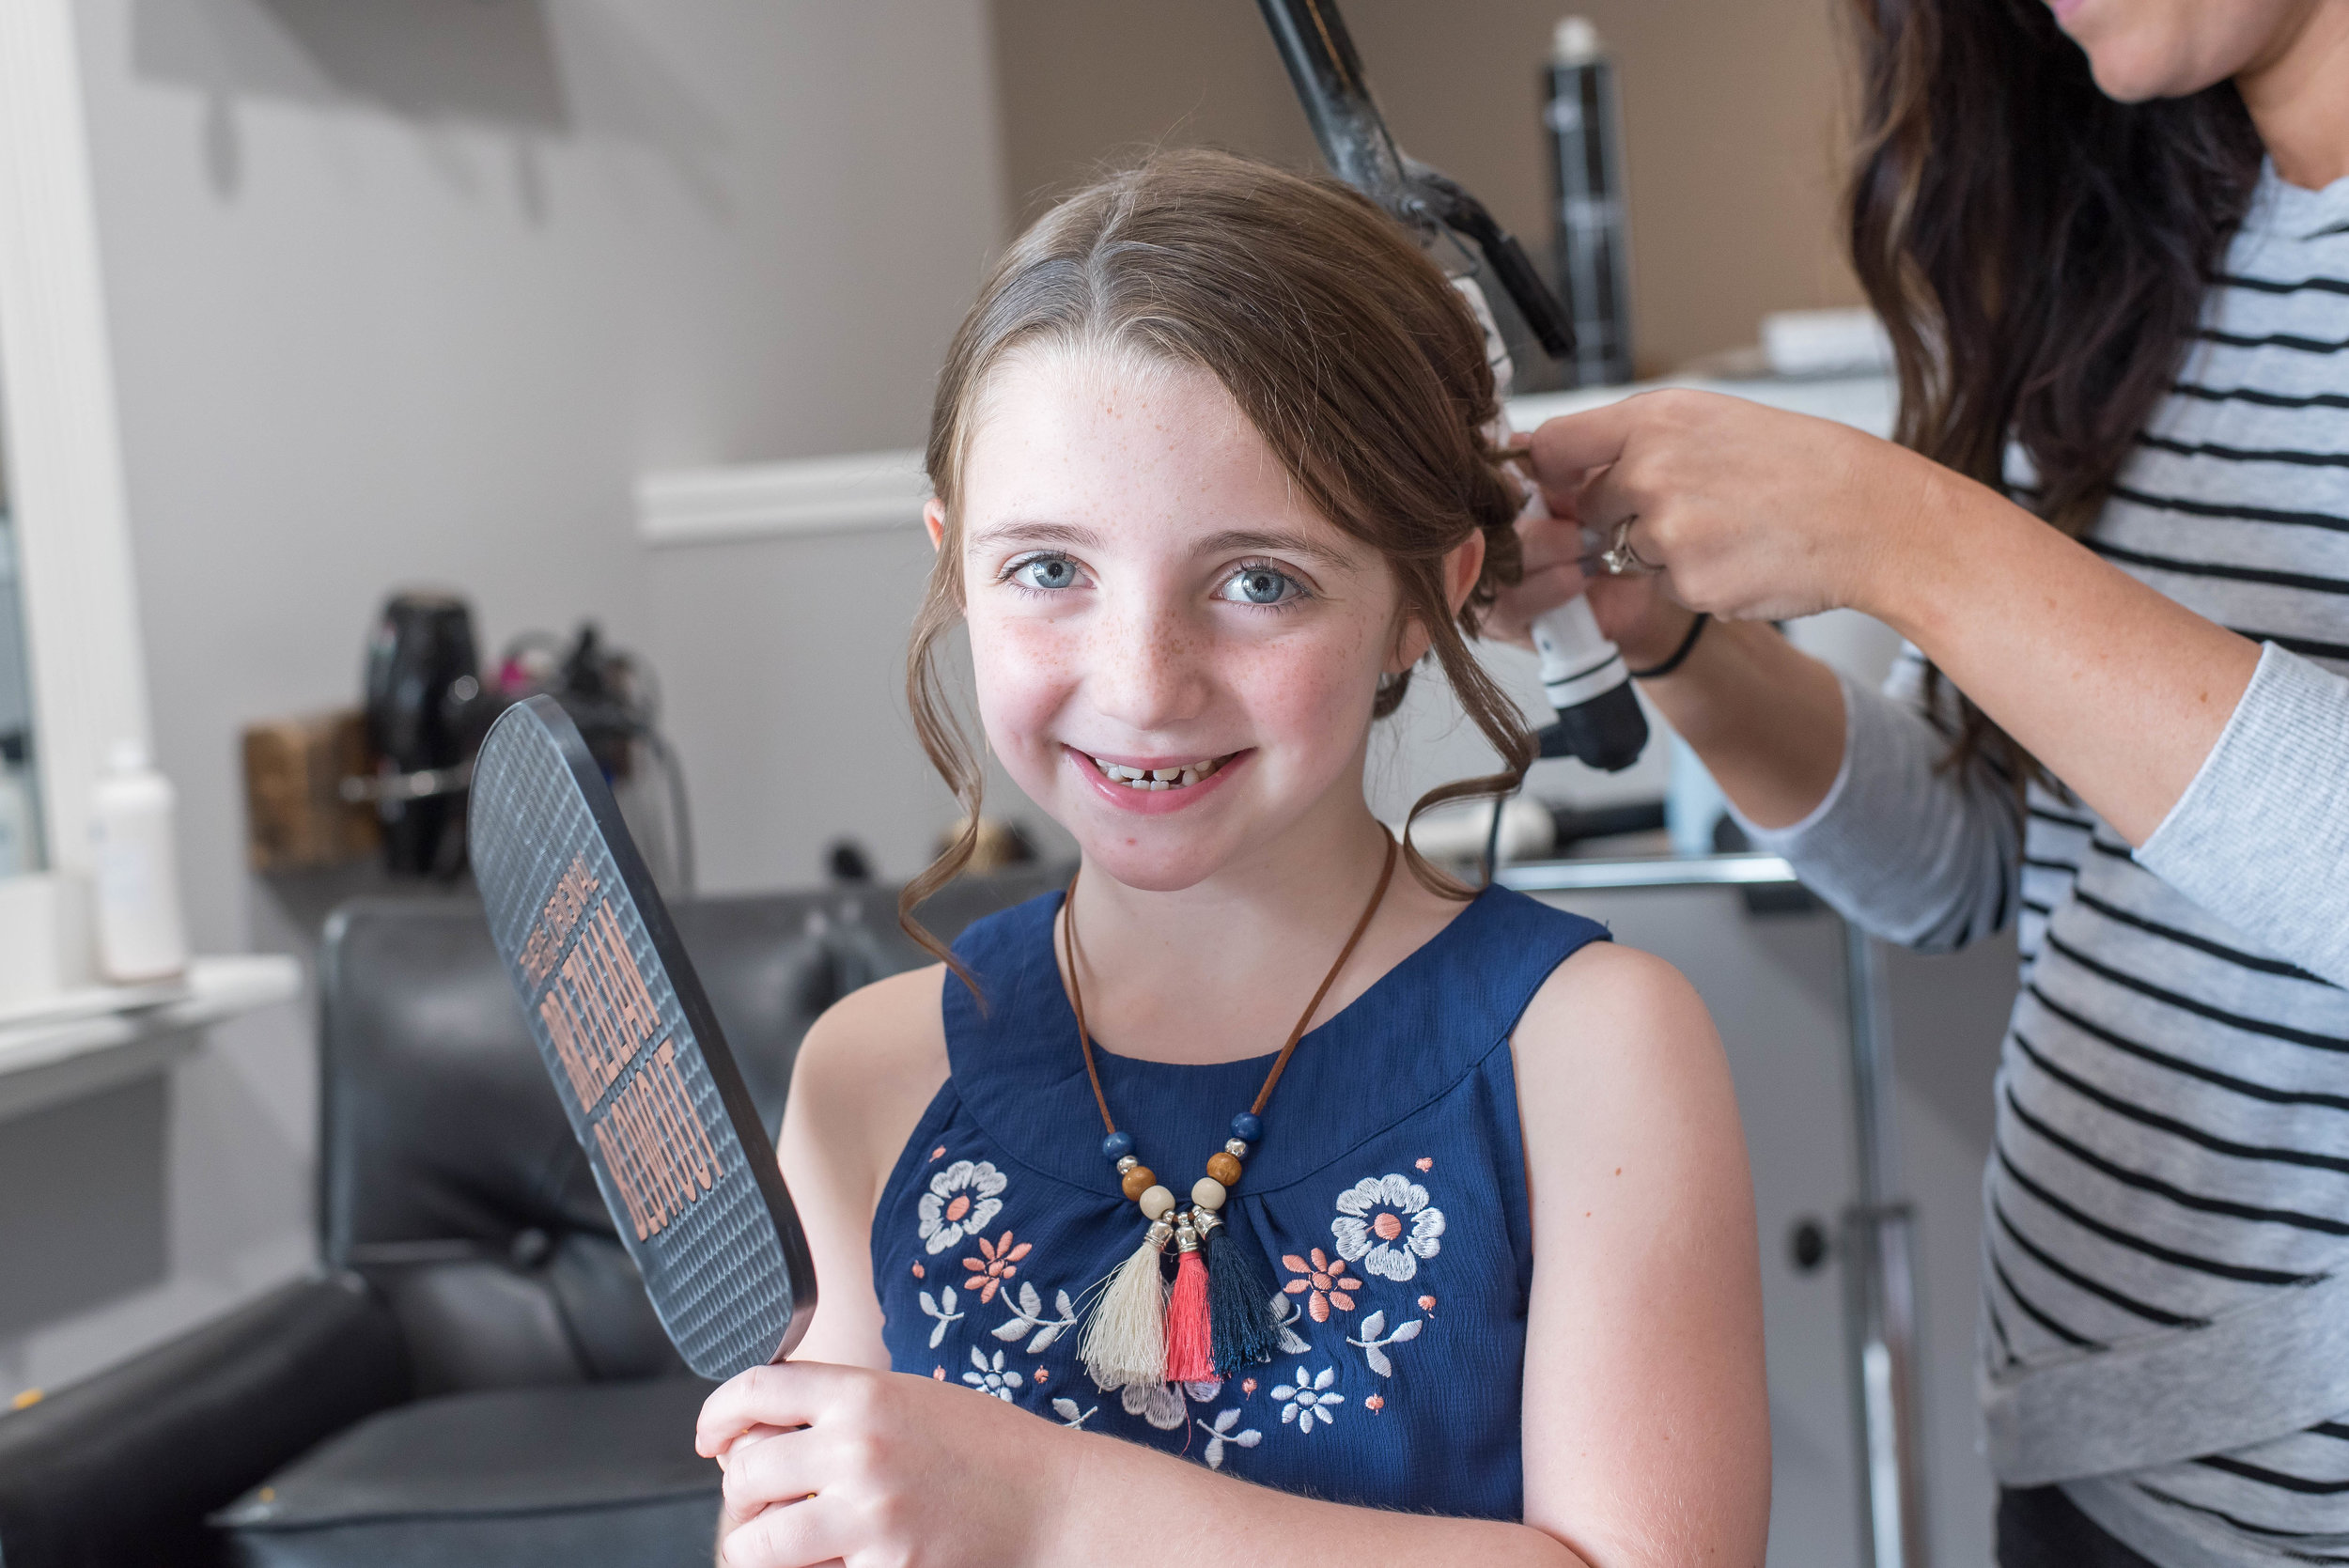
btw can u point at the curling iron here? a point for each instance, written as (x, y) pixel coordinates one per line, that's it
(1599, 719)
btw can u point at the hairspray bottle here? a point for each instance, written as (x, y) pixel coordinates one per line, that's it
(1593, 251)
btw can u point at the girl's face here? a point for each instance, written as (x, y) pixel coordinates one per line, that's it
(2142, 49)
(1176, 655)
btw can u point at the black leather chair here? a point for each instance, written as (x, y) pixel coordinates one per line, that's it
(474, 1375)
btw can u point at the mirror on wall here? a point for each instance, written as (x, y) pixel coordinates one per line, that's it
(20, 805)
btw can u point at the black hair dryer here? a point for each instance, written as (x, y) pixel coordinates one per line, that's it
(422, 678)
(1599, 719)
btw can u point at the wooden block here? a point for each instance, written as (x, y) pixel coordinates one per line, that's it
(295, 815)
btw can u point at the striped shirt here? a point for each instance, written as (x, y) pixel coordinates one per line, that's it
(2166, 1271)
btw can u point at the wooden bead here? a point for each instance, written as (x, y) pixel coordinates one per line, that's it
(1224, 1167)
(1137, 1181)
(1207, 1193)
(1157, 1203)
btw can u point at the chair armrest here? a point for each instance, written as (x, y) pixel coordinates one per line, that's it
(124, 1467)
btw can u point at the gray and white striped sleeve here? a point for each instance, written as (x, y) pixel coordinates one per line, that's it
(1914, 851)
(2260, 837)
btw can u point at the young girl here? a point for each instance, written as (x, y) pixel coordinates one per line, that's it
(1479, 1262)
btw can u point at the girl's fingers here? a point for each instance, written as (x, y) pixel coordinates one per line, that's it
(779, 1469)
(788, 1535)
(793, 1393)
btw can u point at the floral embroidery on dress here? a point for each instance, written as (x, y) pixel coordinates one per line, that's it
(1159, 1404)
(1374, 1215)
(989, 1377)
(1308, 1399)
(1000, 1256)
(1220, 1433)
(941, 1307)
(1324, 1284)
(1028, 1314)
(1070, 1416)
(961, 1200)
(1285, 1311)
(1375, 1338)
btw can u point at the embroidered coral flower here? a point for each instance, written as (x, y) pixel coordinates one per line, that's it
(1000, 1256)
(1322, 1283)
(1384, 1223)
(961, 1200)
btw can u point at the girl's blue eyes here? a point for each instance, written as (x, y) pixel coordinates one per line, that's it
(1260, 585)
(1255, 583)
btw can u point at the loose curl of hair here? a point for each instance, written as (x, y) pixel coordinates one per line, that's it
(1345, 347)
(2039, 251)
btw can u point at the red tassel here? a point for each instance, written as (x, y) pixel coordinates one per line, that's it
(1189, 1356)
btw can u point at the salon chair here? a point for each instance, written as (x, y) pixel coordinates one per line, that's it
(473, 1373)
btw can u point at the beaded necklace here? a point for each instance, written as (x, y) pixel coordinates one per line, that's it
(1216, 1316)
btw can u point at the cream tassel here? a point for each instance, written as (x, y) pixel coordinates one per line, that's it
(1125, 1339)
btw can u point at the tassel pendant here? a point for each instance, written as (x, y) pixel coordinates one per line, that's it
(1239, 1299)
(1189, 1356)
(1125, 1340)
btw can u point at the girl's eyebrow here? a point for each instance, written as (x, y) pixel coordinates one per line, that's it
(1024, 531)
(1271, 542)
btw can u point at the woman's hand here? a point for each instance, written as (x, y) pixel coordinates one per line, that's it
(1752, 513)
(825, 1463)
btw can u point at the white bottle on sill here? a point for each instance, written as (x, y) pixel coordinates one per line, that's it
(140, 937)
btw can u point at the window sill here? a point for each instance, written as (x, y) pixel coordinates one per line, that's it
(132, 1031)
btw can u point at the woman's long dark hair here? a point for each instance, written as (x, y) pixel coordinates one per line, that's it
(2038, 252)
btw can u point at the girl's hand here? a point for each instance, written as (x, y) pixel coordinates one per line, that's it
(1753, 513)
(900, 1468)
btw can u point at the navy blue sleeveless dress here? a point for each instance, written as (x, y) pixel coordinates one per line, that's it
(1386, 1195)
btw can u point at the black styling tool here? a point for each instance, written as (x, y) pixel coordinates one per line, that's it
(1599, 719)
(634, 1050)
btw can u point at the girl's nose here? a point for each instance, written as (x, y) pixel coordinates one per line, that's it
(1147, 667)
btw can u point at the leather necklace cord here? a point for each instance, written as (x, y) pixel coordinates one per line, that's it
(1263, 1096)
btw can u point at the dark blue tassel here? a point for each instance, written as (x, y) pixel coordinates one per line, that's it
(1240, 1302)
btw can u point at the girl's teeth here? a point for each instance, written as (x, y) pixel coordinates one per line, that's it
(1160, 778)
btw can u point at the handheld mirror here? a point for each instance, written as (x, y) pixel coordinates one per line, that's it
(634, 1051)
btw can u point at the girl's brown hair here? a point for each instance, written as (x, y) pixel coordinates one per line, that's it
(2038, 251)
(1345, 347)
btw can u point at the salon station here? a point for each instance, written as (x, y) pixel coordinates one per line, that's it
(470, 471)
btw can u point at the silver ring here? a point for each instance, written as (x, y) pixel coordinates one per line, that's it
(1620, 560)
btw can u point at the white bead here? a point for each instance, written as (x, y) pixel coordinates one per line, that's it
(1207, 1193)
(1156, 1202)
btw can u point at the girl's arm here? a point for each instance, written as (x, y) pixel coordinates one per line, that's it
(1647, 1434)
(864, 1074)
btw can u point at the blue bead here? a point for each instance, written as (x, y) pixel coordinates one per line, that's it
(1117, 1145)
(1246, 1127)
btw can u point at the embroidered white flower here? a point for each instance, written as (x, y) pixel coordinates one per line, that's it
(1028, 1314)
(1285, 1313)
(1308, 1399)
(1070, 1416)
(1159, 1404)
(1222, 1433)
(1375, 1337)
(962, 1199)
(941, 1307)
(1374, 1215)
(989, 1376)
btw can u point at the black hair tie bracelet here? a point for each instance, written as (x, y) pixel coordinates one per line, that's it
(1680, 654)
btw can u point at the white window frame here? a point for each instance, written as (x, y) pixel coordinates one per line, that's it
(64, 441)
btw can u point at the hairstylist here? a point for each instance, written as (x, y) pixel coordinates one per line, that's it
(2111, 242)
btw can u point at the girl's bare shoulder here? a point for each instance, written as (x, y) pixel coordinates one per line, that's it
(1618, 1038)
(871, 1063)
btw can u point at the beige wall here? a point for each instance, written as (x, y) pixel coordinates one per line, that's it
(1730, 107)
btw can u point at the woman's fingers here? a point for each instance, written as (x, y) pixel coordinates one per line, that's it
(1572, 444)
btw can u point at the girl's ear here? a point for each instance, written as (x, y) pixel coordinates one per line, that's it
(934, 518)
(1462, 565)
